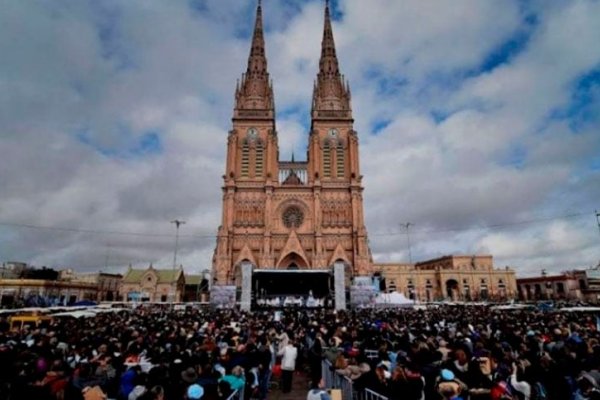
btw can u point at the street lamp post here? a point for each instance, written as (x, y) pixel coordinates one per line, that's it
(177, 223)
(546, 283)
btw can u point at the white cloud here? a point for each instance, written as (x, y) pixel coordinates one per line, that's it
(116, 71)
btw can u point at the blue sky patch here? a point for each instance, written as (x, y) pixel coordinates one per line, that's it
(379, 125)
(510, 48)
(297, 112)
(198, 6)
(584, 102)
(148, 144)
(386, 84)
(516, 156)
(107, 20)
(439, 116)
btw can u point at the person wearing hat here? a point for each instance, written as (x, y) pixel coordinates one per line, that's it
(448, 386)
(194, 392)
(189, 376)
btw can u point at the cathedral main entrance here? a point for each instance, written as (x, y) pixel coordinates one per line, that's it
(292, 287)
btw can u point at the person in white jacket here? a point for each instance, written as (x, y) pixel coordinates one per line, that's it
(289, 354)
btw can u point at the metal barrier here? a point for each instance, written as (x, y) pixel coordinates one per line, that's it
(368, 394)
(333, 380)
(237, 395)
(345, 384)
(328, 374)
(371, 354)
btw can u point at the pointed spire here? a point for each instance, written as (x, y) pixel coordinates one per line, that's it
(329, 62)
(330, 97)
(257, 62)
(255, 90)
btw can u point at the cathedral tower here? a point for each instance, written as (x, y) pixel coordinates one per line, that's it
(287, 215)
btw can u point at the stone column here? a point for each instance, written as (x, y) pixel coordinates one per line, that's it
(339, 285)
(246, 286)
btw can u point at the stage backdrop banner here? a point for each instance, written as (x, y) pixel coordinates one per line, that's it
(223, 296)
(362, 296)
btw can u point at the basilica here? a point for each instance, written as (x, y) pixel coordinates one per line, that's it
(296, 227)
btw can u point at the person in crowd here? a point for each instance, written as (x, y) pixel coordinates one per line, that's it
(525, 354)
(449, 387)
(405, 384)
(235, 379)
(317, 391)
(194, 392)
(288, 354)
(315, 360)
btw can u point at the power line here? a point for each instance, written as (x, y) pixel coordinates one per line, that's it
(490, 226)
(213, 236)
(98, 232)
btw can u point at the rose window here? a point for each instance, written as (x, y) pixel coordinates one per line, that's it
(293, 217)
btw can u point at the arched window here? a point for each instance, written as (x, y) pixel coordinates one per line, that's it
(339, 161)
(326, 160)
(245, 159)
(259, 159)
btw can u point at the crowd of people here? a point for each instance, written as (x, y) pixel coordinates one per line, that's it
(442, 352)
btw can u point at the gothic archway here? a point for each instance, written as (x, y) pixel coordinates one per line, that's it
(293, 261)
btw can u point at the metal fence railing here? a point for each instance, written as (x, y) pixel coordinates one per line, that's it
(333, 380)
(346, 386)
(327, 373)
(237, 395)
(368, 394)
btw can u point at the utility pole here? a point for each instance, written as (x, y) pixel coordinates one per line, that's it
(177, 224)
(407, 226)
(598, 219)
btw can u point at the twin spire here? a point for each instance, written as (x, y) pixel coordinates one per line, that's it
(331, 95)
(254, 94)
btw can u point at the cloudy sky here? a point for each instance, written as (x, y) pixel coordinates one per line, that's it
(479, 123)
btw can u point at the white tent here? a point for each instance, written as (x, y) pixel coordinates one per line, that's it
(393, 299)
(75, 314)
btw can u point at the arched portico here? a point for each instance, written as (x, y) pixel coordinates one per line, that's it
(452, 289)
(293, 260)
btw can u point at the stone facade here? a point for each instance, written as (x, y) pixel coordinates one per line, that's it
(280, 215)
(153, 285)
(20, 292)
(107, 284)
(571, 285)
(291, 214)
(453, 277)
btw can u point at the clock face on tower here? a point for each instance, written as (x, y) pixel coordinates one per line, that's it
(333, 132)
(252, 133)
